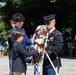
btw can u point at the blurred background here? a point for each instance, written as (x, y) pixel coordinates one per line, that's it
(34, 11)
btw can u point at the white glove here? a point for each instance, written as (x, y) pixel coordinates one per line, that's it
(45, 45)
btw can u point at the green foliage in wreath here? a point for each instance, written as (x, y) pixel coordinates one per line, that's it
(38, 59)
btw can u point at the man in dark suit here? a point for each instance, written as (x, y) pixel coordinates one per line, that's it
(54, 46)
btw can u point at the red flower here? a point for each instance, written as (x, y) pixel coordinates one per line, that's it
(37, 30)
(40, 46)
(35, 57)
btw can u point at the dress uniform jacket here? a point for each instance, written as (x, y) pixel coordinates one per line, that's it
(54, 46)
(19, 54)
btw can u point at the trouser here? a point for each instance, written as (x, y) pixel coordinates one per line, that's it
(19, 73)
(14, 73)
(49, 71)
(10, 66)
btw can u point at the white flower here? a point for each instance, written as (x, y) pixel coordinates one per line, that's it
(39, 41)
(35, 46)
(39, 27)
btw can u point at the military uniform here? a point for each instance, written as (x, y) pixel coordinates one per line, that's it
(54, 46)
(53, 49)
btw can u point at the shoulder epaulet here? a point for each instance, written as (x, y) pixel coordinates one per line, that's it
(58, 32)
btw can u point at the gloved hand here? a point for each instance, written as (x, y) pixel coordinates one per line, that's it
(48, 49)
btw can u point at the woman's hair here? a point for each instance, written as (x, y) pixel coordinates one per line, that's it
(17, 17)
(16, 34)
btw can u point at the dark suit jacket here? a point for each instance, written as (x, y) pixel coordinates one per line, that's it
(19, 54)
(53, 49)
(24, 42)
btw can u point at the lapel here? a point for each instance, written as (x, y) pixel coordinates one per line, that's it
(52, 34)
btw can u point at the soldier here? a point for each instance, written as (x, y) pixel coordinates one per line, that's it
(54, 46)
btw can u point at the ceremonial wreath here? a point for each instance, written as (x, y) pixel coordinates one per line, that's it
(38, 39)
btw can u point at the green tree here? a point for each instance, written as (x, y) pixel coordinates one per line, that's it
(34, 10)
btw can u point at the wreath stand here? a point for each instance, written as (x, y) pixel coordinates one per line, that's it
(40, 66)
